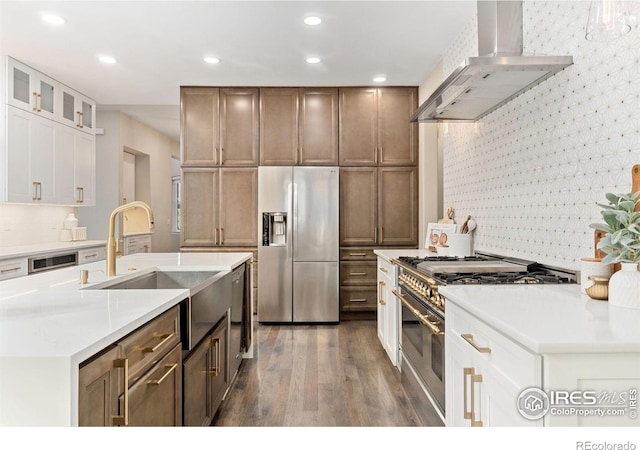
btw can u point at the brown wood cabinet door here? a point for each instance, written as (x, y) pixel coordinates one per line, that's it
(156, 398)
(398, 206)
(318, 126)
(199, 108)
(99, 386)
(197, 411)
(218, 372)
(239, 207)
(278, 126)
(358, 205)
(358, 126)
(239, 126)
(199, 208)
(397, 138)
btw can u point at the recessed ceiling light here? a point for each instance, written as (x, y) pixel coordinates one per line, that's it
(53, 19)
(312, 20)
(313, 60)
(107, 59)
(379, 78)
(211, 60)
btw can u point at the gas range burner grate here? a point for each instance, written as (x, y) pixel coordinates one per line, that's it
(538, 277)
(414, 261)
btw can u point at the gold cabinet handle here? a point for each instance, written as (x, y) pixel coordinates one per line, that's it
(357, 254)
(39, 102)
(381, 285)
(215, 343)
(93, 255)
(37, 190)
(35, 102)
(164, 337)
(81, 119)
(215, 156)
(221, 236)
(358, 274)
(123, 420)
(215, 236)
(79, 195)
(358, 300)
(157, 382)
(381, 235)
(469, 339)
(13, 269)
(221, 155)
(375, 235)
(473, 379)
(383, 270)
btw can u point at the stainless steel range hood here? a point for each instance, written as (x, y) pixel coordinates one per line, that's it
(483, 83)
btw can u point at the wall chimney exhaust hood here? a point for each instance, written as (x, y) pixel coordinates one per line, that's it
(483, 83)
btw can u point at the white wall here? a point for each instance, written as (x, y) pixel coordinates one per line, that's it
(123, 132)
(531, 172)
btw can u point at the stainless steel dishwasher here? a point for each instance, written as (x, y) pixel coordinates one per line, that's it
(237, 314)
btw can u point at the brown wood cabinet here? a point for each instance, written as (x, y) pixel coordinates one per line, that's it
(378, 206)
(138, 380)
(298, 126)
(219, 126)
(206, 378)
(375, 128)
(219, 207)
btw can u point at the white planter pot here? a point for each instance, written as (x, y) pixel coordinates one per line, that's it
(624, 287)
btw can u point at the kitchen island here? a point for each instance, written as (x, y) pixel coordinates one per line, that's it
(50, 324)
(539, 355)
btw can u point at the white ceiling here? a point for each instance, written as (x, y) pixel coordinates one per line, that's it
(159, 46)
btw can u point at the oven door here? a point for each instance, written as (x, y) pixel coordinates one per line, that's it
(423, 345)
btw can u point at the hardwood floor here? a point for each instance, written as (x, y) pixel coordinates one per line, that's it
(317, 375)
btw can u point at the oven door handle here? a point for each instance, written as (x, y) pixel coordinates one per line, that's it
(433, 326)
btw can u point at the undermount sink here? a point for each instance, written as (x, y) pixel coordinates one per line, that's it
(160, 279)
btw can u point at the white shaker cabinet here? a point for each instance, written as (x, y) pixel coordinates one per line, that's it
(31, 90)
(77, 110)
(75, 167)
(485, 373)
(30, 156)
(387, 309)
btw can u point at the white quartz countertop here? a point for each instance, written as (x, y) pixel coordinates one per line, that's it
(550, 318)
(16, 251)
(52, 315)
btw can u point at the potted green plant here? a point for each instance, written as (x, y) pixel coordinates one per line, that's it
(621, 244)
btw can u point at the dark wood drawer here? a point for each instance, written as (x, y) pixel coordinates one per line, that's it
(358, 273)
(149, 343)
(361, 298)
(357, 254)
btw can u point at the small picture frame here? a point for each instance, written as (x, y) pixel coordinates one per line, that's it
(438, 234)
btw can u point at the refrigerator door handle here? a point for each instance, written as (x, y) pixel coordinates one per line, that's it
(290, 216)
(295, 220)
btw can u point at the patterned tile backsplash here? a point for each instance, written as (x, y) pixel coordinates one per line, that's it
(531, 172)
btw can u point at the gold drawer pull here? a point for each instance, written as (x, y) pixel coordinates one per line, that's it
(216, 370)
(358, 274)
(13, 269)
(123, 420)
(171, 368)
(357, 254)
(164, 337)
(358, 300)
(383, 270)
(469, 339)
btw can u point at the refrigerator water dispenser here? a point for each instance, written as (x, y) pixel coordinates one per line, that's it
(274, 229)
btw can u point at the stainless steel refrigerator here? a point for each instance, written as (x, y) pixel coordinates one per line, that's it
(298, 245)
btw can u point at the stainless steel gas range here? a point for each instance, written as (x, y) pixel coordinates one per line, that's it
(423, 320)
